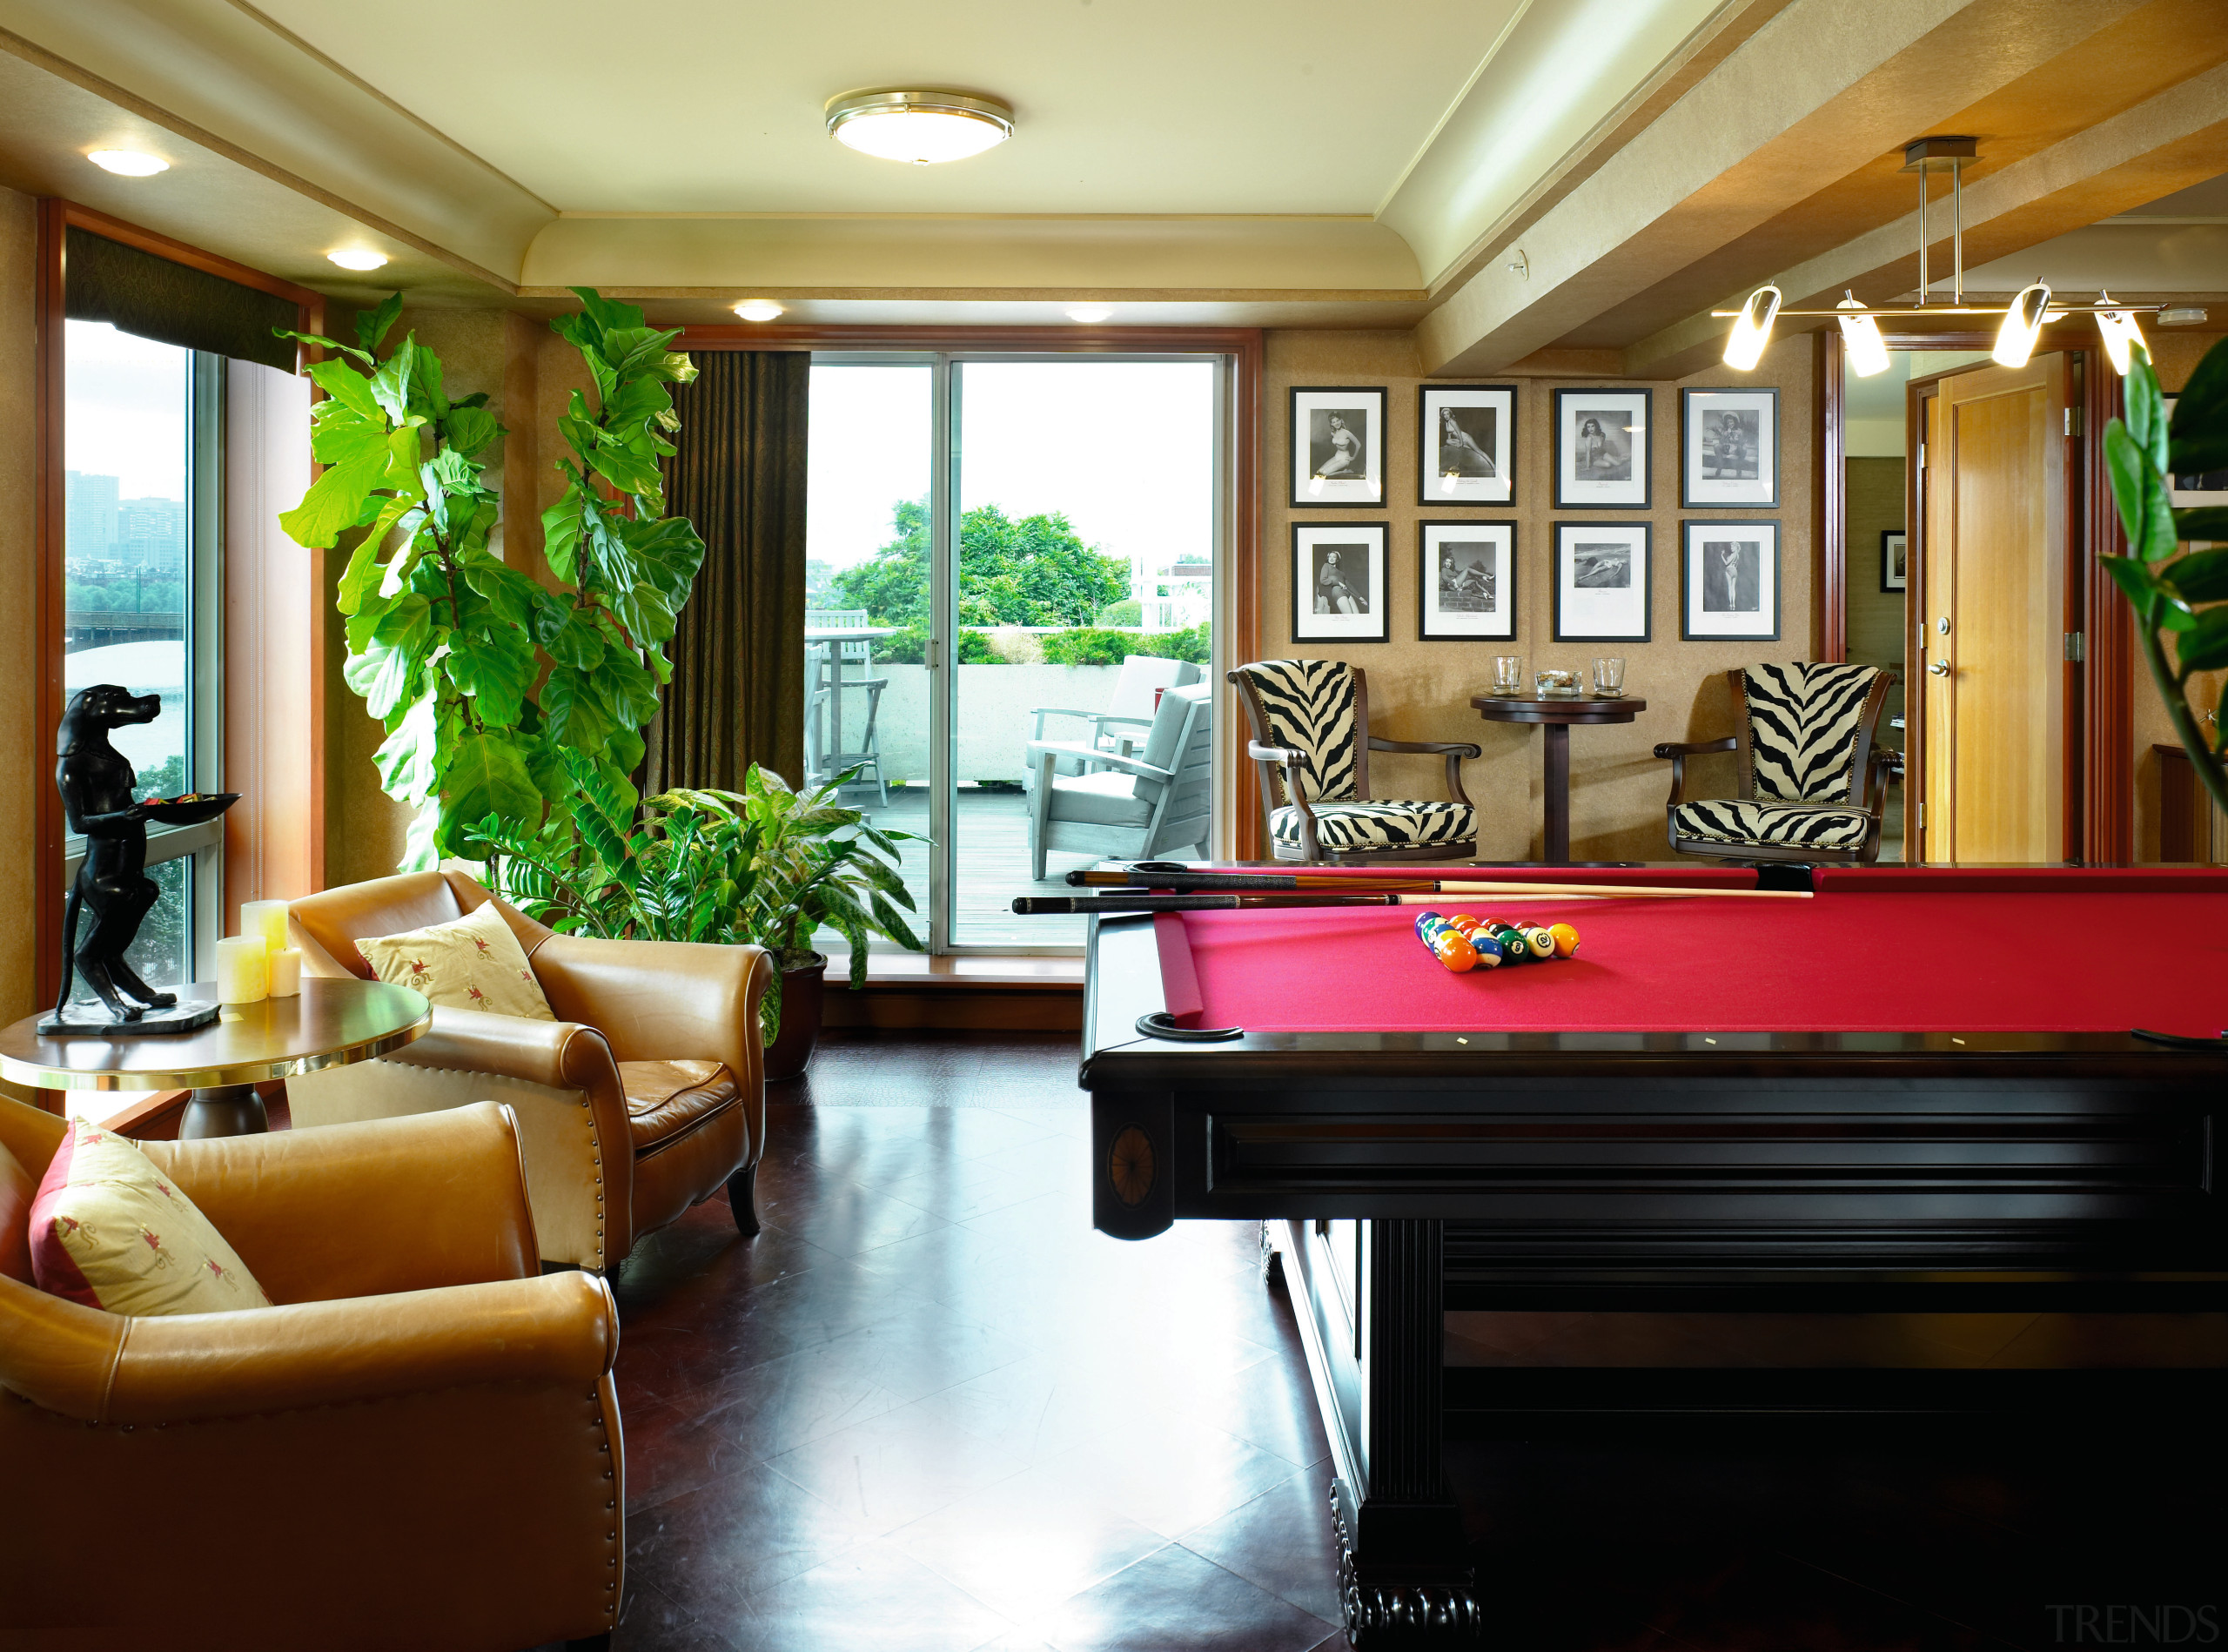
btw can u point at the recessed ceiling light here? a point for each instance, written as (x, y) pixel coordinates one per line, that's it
(1088, 313)
(758, 310)
(924, 127)
(128, 162)
(357, 257)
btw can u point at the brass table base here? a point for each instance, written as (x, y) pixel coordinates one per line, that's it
(223, 1110)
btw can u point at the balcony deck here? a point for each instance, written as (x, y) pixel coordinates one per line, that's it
(992, 830)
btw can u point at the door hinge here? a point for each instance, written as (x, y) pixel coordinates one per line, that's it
(1922, 455)
(1922, 814)
(2073, 421)
(2077, 647)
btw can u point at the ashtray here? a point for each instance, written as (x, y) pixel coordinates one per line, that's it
(192, 808)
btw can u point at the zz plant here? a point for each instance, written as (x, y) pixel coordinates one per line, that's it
(488, 683)
(2185, 597)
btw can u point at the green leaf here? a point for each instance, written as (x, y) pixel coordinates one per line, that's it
(570, 637)
(2207, 522)
(2134, 579)
(372, 325)
(496, 670)
(348, 387)
(628, 688)
(336, 499)
(630, 473)
(2199, 441)
(421, 849)
(605, 312)
(2200, 577)
(574, 710)
(561, 535)
(406, 760)
(390, 383)
(469, 430)
(512, 596)
(2123, 462)
(2204, 647)
(323, 343)
(385, 673)
(487, 775)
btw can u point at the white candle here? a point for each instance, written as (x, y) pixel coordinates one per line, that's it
(243, 970)
(286, 973)
(266, 922)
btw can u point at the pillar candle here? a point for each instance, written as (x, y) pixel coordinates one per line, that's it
(265, 921)
(286, 972)
(243, 970)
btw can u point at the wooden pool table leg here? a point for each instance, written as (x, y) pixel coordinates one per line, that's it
(1405, 1576)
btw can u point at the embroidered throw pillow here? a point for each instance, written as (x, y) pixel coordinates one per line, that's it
(470, 963)
(111, 1231)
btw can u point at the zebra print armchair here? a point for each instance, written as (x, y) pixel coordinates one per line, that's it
(1312, 743)
(1806, 750)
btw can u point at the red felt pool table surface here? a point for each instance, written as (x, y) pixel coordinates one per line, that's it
(1874, 950)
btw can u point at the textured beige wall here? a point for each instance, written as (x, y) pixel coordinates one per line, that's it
(1421, 690)
(365, 829)
(1875, 617)
(26, 750)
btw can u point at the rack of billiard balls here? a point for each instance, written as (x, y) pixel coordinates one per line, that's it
(1463, 943)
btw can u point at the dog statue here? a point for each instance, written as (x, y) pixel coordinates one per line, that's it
(112, 884)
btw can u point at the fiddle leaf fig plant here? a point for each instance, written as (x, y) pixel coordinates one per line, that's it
(484, 678)
(2184, 597)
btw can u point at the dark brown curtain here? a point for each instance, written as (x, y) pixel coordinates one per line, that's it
(140, 293)
(737, 694)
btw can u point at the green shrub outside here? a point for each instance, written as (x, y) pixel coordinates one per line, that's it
(910, 647)
(1091, 645)
(1118, 613)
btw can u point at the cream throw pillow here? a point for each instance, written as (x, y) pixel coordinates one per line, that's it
(471, 963)
(110, 1231)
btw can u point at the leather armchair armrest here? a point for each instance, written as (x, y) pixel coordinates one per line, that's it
(563, 1328)
(1453, 750)
(1678, 754)
(408, 1203)
(668, 1000)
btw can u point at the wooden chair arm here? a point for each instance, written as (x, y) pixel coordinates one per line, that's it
(1292, 762)
(1455, 751)
(1678, 753)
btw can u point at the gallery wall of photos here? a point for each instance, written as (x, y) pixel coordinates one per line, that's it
(1419, 527)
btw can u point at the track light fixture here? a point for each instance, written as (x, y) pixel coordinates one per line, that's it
(2022, 319)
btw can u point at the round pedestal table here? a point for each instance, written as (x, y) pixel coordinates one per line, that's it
(1555, 717)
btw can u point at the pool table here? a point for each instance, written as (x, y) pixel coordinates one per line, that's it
(1916, 1090)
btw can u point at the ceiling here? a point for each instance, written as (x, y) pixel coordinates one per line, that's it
(1582, 178)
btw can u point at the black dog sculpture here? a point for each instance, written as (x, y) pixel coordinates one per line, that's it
(95, 784)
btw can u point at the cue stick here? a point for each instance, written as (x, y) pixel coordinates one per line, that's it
(1321, 883)
(1211, 901)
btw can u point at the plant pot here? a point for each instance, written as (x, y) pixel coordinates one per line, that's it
(801, 989)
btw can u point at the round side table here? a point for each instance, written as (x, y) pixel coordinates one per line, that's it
(331, 1025)
(1555, 717)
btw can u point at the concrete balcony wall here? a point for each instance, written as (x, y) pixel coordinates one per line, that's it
(994, 721)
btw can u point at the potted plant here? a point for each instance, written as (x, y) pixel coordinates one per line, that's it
(768, 865)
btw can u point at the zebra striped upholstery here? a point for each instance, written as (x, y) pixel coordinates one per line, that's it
(1806, 825)
(1343, 828)
(1803, 721)
(1309, 706)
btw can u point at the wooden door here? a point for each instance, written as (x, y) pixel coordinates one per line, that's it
(1993, 615)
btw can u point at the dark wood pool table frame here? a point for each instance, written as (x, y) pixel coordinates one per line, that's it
(1763, 1171)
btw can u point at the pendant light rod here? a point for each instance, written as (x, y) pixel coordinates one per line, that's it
(1907, 311)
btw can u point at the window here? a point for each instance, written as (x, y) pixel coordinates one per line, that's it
(1032, 522)
(144, 426)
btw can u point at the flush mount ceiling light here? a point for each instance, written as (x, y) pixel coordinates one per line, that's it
(128, 162)
(1090, 313)
(2022, 320)
(357, 257)
(923, 127)
(758, 310)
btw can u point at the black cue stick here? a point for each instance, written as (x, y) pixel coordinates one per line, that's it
(1148, 901)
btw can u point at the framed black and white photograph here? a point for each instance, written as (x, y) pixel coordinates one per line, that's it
(1465, 580)
(1338, 582)
(1894, 560)
(1601, 582)
(1337, 448)
(1465, 445)
(1729, 578)
(1729, 449)
(1601, 449)
(2206, 487)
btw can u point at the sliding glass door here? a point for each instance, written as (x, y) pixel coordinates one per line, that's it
(1012, 560)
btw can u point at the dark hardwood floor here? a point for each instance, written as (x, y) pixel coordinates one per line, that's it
(928, 1409)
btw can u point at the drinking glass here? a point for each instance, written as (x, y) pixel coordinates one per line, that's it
(1508, 674)
(1609, 679)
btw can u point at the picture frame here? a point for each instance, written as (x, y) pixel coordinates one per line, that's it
(1465, 445)
(1729, 448)
(1334, 465)
(2190, 493)
(1728, 580)
(1465, 581)
(1332, 599)
(1895, 560)
(1602, 581)
(1604, 449)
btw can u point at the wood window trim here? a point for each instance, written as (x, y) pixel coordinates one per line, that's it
(1242, 344)
(2100, 814)
(56, 218)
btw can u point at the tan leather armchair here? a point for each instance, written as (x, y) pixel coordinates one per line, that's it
(643, 1098)
(418, 1446)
